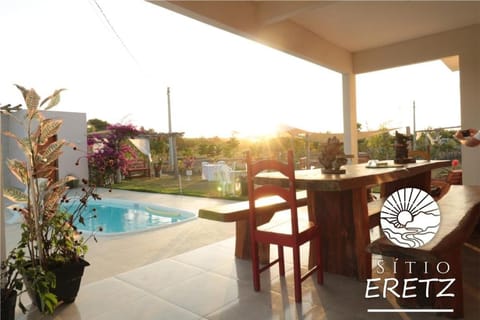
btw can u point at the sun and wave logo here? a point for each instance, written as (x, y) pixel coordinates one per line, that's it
(410, 218)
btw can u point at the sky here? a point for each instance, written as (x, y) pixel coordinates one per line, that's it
(220, 84)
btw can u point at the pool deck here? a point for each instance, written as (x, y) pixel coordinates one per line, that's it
(107, 256)
(188, 271)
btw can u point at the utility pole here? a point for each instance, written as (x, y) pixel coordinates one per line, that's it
(169, 112)
(172, 143)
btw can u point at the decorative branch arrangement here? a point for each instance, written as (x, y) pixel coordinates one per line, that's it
(332, 156)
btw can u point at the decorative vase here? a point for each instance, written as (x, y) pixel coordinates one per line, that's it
(68, 279)
(9, 300)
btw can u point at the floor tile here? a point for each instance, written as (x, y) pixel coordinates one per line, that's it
(147, 308)
(207, 258)
(93, 300)
(205, 293)
(158, 276)
(241, 270)
(266, 305)
(105, 295)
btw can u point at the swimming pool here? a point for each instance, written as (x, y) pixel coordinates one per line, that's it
(115, 216)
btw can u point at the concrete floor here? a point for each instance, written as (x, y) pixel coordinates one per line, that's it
(189, 272)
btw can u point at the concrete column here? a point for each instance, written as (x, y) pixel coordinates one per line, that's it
(3, 250)
(350, 115)
(470, 109)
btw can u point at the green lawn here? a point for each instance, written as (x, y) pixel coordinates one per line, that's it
(197, 187)
(170, 184)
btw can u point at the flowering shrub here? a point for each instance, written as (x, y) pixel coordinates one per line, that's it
(455, 164)
(188, 162)
(109, 153)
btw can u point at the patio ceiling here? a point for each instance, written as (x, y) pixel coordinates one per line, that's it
(331, 33)
(358, 26)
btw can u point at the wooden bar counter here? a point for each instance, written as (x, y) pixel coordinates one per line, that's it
(339, 202)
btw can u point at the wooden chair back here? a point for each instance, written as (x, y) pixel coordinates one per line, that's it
(257, 192)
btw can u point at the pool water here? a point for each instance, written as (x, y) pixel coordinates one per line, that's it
(116, 216)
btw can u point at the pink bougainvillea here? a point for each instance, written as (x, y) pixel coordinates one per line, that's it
(108, 152)
(188, 162)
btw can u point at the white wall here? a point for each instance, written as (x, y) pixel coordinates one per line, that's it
(470, 109)
(74, 130)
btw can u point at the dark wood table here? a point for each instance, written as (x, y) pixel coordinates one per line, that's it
(339, 203)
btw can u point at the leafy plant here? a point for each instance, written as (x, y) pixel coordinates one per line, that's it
(49, 236)
(10, 277)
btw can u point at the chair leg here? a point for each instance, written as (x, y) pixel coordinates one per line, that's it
(297, 276)
(319, 261)
(255, 267)
(281, 261)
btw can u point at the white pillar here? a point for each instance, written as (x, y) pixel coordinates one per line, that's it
(350, 116)
(3, 250)
(470, 110)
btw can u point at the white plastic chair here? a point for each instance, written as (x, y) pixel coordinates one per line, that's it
(224, 178)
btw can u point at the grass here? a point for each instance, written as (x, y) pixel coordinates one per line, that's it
(169, 184)
(197, 187)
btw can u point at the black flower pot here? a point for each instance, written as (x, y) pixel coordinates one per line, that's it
(9, 300)
(68, 279)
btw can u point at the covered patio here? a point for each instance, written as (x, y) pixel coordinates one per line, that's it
(207, 281)
(355, 37)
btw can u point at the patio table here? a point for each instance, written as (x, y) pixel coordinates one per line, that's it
(339, 202)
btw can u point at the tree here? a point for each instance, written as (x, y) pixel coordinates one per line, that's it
(158, 146)
(381, 146)
(213, 151)
(94, 125)
(230, 147)
(202, 149)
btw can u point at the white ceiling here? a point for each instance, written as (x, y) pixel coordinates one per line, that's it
(352, 25)
(327, 32)
(361, 25)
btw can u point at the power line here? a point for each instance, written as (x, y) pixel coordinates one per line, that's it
(112, 29)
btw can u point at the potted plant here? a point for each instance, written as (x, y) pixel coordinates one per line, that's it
(188, 165)
(11, 285)
(50, 252)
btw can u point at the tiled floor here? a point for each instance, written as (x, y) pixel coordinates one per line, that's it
(209, 283)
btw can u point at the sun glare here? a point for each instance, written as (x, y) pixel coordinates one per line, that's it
(258, 131)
